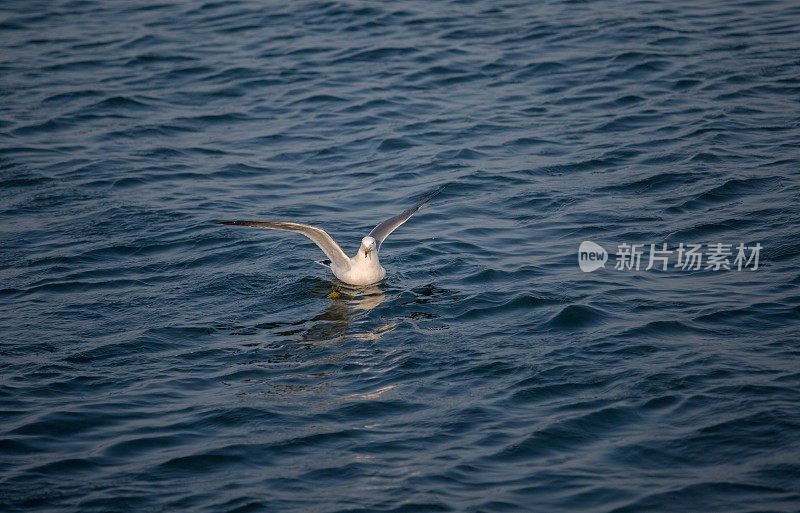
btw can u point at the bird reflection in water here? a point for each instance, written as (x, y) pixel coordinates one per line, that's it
(347, 306)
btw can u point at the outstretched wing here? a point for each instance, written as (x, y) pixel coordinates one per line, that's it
(380, 232)
(318, 235)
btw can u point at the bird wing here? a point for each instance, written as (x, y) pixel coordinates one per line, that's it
(320, 237)
(380, 232)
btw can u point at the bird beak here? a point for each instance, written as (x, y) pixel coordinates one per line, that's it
(367, 250)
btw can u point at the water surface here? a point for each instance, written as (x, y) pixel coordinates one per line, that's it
(155, 361)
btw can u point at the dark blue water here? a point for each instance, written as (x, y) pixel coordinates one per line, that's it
(155, 361)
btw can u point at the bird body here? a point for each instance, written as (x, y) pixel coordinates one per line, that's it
(364, 268)
(361, 269)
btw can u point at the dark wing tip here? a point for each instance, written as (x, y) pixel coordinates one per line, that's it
(432, 195)
(232, 223)
(427, 198)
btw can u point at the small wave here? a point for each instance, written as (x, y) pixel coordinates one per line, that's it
(655, 183)
(377, 54)
(732, 190)
(577, 316)
(395, 144)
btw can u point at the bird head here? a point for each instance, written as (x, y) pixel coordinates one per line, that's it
(368, 245)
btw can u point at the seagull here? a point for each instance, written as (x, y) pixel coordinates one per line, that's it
(361, 269)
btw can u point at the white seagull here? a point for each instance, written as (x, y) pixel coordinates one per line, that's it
(363, 268)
